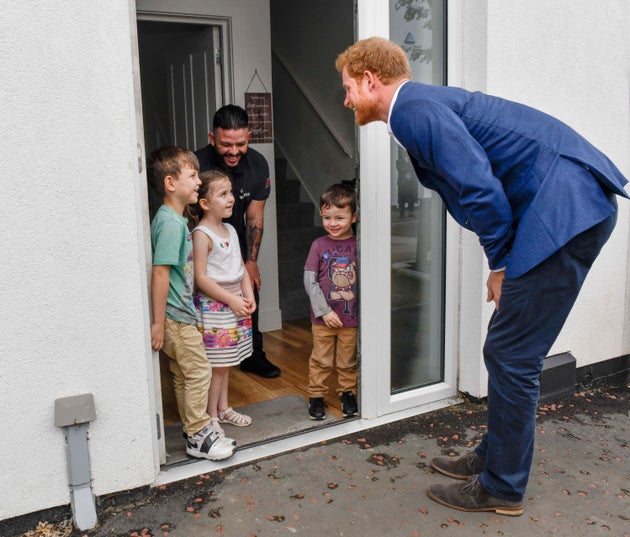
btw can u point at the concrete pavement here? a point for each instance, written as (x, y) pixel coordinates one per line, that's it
(373, 483)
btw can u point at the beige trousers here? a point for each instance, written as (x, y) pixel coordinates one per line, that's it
(333, 348)
(192, 373)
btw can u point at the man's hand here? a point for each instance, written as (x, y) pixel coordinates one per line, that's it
(254, 274)
(495, 281)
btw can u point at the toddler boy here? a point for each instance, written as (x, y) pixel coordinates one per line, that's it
(330, 279)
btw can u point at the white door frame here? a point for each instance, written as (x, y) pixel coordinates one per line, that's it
(226, 40)
(153, 364)
(378, 406)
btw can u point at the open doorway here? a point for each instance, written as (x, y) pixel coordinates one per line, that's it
(177, 57)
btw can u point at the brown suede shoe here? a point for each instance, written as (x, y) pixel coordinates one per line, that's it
(472, 497)
(460, 468)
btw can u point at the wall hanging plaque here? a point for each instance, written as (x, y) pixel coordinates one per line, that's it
(258, 107)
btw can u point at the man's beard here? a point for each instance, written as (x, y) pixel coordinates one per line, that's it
(365, 111)
(224, 160)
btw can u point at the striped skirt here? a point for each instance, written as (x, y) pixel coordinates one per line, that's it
(227, 339)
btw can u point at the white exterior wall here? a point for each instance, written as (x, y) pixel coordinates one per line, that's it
(75, 310)
(72, 285)
(570, 59)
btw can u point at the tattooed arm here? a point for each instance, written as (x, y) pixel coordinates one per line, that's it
(254, 222)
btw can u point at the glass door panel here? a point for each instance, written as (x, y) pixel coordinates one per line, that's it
(417, 220)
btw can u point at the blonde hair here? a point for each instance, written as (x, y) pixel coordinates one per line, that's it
(380, 56)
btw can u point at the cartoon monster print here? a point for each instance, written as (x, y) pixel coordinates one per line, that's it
(343, 275)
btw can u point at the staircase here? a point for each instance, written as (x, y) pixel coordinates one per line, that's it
(296, 232)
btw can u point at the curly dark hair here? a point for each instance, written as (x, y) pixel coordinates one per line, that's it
(339, 195)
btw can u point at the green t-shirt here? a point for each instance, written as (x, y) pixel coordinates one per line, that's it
(172, 245)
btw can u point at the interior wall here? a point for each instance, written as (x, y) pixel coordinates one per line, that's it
(313, 129)
(298, 34)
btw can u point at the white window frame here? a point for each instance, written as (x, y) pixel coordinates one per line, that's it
(375, 166)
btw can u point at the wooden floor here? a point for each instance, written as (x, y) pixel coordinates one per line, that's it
(289, 349)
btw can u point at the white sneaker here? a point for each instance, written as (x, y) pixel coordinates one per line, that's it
(206, 444)
(228, 441)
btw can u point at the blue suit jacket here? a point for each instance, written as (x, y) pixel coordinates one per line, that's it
(523, 181)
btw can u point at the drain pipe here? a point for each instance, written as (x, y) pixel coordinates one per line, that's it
(74, 414)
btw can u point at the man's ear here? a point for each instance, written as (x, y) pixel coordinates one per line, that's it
(211, 138)
(371, 79)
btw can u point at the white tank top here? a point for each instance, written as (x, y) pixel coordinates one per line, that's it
(225, 264)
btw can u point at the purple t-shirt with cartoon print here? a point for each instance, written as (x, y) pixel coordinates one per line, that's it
(335, 263)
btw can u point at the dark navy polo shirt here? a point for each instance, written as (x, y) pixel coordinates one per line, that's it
(250, 181)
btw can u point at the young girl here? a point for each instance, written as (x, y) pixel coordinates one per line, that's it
(224, 295)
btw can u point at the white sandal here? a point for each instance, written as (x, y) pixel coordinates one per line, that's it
(214, 425)
(231, 416)
(216, 428)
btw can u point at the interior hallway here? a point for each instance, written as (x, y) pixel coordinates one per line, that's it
(278, 406)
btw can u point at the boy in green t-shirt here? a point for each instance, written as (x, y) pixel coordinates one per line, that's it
(172, 172)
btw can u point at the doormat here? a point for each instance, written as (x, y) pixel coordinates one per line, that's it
(271, 419)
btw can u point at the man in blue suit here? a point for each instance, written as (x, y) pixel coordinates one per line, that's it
(540, 198)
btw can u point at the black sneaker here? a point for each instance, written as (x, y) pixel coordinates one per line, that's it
(348, 404)
(316, 408)
(207, 444)
(258, 364)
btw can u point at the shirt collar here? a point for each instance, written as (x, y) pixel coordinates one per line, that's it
(389, 115)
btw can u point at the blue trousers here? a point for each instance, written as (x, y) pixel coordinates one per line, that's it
(531, 313)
